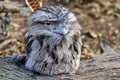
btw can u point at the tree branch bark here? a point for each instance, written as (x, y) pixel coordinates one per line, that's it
(104, 67)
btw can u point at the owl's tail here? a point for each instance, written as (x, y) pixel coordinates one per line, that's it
(34, 4)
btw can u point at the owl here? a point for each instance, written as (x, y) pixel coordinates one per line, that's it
(53, 41)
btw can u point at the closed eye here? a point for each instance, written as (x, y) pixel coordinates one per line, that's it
(39, 22)
(45, 23)
(48, 23)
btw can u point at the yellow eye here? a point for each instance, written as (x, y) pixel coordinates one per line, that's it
(47, 23)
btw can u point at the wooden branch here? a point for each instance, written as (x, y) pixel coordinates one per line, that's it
(104, 67)
(7, 6)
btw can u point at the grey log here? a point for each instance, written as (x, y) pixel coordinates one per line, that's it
(104, 67)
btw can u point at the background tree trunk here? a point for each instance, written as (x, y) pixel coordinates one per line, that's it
(104, 67)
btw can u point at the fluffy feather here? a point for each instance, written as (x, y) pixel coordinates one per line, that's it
(50, 51)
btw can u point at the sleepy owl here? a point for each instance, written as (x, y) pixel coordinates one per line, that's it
(53, 41)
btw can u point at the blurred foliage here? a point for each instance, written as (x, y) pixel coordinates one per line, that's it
(98, 18)
(105, 9)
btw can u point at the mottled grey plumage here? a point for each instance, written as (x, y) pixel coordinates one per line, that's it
(53, 41)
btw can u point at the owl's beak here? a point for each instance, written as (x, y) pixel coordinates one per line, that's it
(62, 30)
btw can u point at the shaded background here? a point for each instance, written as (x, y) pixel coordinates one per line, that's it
(100, 20)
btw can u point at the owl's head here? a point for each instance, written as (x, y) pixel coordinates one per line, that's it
(57, 20)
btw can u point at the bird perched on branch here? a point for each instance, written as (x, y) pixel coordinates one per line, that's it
(53, 41)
